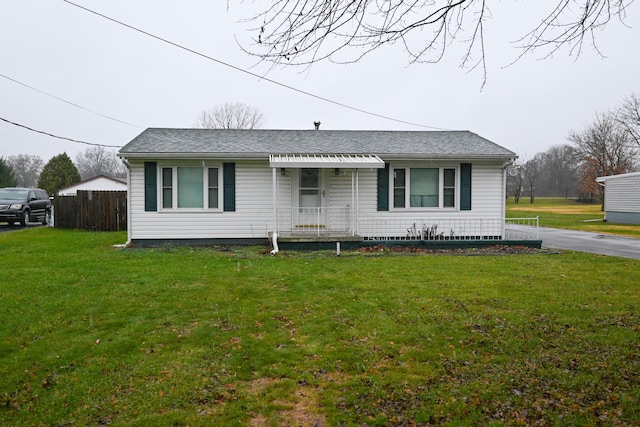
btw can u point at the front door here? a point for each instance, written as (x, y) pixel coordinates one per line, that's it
(311, 200)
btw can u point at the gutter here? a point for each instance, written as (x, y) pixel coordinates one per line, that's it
(265, 156)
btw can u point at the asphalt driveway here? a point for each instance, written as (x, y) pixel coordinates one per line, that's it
(604, 244)
(4, 227)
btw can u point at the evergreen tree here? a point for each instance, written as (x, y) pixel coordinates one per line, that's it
(7, 177)
(58, 173)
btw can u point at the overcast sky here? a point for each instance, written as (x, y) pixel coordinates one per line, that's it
(112, 70)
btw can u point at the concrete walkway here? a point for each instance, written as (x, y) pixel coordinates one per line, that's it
(604, 244)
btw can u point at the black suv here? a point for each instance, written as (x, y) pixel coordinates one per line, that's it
(24, 205)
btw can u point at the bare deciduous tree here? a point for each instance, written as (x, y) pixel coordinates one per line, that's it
(26, 169)
(95, 161)
(230, 116)
(532, 170)
(629, 116)
(515, 180)
(560, 170)
(304, 32)
(605, 149)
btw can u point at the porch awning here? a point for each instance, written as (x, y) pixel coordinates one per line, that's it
(357, 161)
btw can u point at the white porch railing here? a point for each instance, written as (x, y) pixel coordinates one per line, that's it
(345, 222)
(375, 228)
(522, 228)
(318, 221)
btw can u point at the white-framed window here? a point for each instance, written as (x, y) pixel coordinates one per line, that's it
(424, 188)
(191, 187)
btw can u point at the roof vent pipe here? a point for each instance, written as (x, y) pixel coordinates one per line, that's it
(317, 124)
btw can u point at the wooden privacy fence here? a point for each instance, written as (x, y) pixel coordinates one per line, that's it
(92, 210)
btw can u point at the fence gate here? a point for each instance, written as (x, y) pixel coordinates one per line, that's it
(92, 210)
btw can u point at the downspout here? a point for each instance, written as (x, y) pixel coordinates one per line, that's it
(126, 163)
(274, 240)
(504, 199)
(274, 202)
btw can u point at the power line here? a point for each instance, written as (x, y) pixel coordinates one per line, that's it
(226, 64)
(59, 137)
(69, 102)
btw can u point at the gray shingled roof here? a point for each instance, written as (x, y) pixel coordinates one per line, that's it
(182, 143)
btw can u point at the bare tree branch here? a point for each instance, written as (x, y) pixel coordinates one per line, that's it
(564, 27)
(303, 32)
(604, 149)
(628, 116)
(230, 116)
(96, 161)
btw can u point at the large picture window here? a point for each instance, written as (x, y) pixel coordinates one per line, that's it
(189, 187)
(424, 188)
(190, 194)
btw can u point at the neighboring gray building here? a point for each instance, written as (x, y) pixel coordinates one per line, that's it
(621, 198)
(241, 186)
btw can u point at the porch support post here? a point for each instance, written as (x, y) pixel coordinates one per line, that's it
(357, 206)
(353, 204)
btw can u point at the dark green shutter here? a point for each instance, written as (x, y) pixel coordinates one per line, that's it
(229, 185)
(383, 188)
(465, 186)
(150, 187)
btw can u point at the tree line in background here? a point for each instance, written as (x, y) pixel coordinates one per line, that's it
(60, 171)
(608, 145)
(24, 170)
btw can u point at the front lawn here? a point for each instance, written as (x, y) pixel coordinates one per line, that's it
(93, 335)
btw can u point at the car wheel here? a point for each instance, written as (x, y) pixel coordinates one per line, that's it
(24, 221)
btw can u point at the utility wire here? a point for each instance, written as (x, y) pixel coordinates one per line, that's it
(59, 137)
(226, 64)
(69, 102)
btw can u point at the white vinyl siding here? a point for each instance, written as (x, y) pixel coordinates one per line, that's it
(622, 193)
(487, 197)
(487, 201)
(253, 217)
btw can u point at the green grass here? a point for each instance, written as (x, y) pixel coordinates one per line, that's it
(92, 335)
(570, 214)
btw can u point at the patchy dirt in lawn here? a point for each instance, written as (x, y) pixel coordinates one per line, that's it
(300, 410)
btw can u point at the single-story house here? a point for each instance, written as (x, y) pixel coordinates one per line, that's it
(210, 186)
(97, 183)
(621, 198)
